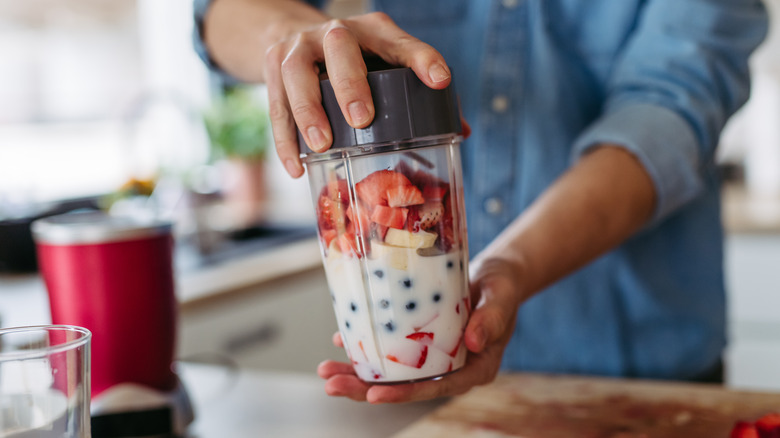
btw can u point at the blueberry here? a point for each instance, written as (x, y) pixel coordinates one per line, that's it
(436, 297)
(411, 305)
(384, 304)
(346, 323)
(379, 273)
(407, 282)
(390, 326)
(450, 264)
(353, 306)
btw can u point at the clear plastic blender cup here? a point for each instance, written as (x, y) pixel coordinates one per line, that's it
(389, 204)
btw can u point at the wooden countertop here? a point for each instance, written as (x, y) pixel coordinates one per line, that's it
(545, 406)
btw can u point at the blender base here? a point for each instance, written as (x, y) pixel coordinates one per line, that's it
(132, 410)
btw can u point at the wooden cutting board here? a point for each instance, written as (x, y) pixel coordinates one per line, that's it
(544, 406)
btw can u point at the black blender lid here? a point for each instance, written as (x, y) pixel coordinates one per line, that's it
(405, 108)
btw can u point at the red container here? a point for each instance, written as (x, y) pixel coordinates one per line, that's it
(114, 276)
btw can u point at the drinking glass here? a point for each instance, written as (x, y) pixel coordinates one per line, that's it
(45, 382)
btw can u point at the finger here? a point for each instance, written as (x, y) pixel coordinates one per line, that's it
(300, 75)
(347, 73)
(329, 368)
(337, 341)
(347, 386)
(479, 370)
(380, 35)
(282, 123)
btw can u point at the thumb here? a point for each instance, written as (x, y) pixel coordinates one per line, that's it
(494, 317)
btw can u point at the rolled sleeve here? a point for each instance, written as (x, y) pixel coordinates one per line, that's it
(662, 141)
(673, 88)
(200, 9)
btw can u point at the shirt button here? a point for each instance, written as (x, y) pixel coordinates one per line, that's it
(500, 103)
(509, 4)
(494, 206)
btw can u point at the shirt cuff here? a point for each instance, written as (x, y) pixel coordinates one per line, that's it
(200, 9)
(663, 142)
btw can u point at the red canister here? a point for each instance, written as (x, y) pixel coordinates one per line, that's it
(114, 276)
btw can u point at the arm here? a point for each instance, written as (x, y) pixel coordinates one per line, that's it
(669, 96)
(284, 43)
(596, 205)
(239, 32)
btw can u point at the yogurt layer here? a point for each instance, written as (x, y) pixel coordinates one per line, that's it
(401, 315)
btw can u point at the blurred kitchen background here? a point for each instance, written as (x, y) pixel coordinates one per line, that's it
(104, 104)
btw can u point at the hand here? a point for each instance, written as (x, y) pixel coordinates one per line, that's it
(292, 77)
(494, 287)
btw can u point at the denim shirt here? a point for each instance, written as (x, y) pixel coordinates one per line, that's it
(541, 82)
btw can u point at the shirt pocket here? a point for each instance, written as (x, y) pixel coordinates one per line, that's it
(428, 12)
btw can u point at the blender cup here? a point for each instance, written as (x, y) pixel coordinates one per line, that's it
(389, 204)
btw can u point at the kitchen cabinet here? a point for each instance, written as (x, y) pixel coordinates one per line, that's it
(753, 281)
(282, 324)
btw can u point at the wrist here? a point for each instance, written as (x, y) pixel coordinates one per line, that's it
(238, 33)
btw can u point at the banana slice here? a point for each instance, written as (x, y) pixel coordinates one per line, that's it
(406, 239)
(394, 256)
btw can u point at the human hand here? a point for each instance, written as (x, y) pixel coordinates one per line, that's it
(494, 287)
(292, 69)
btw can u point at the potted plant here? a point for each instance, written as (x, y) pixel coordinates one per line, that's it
(238, 130)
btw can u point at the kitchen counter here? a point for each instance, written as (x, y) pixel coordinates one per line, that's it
(242, 403)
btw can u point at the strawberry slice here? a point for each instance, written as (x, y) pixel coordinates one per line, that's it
(425, 338)
(348, 245)
(360, 221)
(328, 213)
(404, 196)
(768, 426)
(373, 188)
(331, 204)
(425, 216)
(328, 236)
(393, 217)
(455, 349)
(435, 192)
(743, 429)
(430, 214)
(338, 189)
(410, 357)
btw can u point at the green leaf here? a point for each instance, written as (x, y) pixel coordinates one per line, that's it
(237, 126)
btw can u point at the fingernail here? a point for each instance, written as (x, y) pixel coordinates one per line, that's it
(316, 138)
(438, 73)
(291, 167)
(358, 112)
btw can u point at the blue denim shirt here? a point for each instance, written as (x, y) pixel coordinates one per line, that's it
(540, 82)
